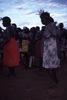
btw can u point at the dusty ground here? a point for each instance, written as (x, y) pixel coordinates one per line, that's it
(32, 84)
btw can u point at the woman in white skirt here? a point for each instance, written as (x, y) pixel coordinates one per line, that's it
(50, 57)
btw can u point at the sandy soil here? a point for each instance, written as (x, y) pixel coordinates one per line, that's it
(33, 84)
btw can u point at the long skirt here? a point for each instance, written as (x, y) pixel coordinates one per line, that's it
(38, 49)
(11, 56)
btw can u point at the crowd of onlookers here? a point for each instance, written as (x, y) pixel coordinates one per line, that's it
(30, 42)
(34, 36)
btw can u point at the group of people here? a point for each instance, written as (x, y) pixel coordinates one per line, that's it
(45, 44)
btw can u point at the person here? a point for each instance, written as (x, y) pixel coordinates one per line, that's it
(16, 29)
(11, 55)
(39, 46)
(1, 51)
(31, 49)
(62, 39)
(50, 57)
(25, 44)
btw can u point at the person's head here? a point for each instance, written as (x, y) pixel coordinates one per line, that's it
(14, 25)
(6, 21)
(46, 18)
(26, 30)
(60, 25)
(43, 28)
(37, 28)
(33, 30)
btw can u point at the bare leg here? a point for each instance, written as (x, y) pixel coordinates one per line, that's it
(52, 73)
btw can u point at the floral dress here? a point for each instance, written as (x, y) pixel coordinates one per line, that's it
(50, 57)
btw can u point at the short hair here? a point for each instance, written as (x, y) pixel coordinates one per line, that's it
(61, 25)
(7, 19)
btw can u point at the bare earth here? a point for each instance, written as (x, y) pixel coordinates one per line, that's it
(32, 84)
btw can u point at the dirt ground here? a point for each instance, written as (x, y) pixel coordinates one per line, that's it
(33, 84)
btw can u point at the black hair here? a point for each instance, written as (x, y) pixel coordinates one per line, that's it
(61, 25)
(45, 14)
(6, 19)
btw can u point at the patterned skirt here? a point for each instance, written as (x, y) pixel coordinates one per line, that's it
(50, 56)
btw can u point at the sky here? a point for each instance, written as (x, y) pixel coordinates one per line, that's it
(26, 12)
